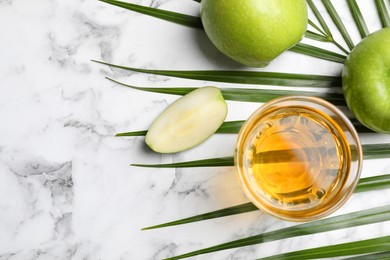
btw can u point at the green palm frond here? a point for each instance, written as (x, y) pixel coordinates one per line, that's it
(212, 162)
(229, 127)
(233, 127)
(373, 183)
(383, 13)
(317, 52)
(325, 27)
(239, 209)
(248, 95)
(376, 151)
(374, 245)
(358, 18)
(183, 19)
(370, 151)
(315, 26)
(358, 218)
(365, 184)
(316, 36)
(319, 17)
(243, 77)
(382, 256)
(339, 24)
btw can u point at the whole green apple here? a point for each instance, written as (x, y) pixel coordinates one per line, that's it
(254, 32)
(366, 81)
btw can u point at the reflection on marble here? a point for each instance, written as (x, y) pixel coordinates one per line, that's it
(66, 188)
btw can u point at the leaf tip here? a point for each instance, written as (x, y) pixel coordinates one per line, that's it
(146, 228)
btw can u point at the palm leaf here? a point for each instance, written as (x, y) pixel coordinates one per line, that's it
(320, 19)
(248, 95)
(243, 77)
(323, 24)
(383, 13)
(188, 20)
(316, 27)
(135, 133)
(383, 256)
(358, 18)
(339, 24)
(316, 36)
(213, 162)
(365, 184)
(233, 127)
(353, 248)
(370, 151)
(316, 52)
(229, 127)
(358, 218)
(239, 209)
(373, 183)
(376, 151)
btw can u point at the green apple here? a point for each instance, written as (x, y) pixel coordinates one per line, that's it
(254, 32)
(366, 81)
(188, 121)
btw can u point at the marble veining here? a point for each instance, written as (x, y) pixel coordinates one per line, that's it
(66, 188)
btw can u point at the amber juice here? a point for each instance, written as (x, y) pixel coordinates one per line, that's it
(298, 158)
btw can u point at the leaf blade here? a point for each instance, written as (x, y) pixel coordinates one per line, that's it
(383, 256)
(365, 185)
(376, 151)
(338, 22)
(315, 36)
(357, 218)
(316, 52)
(228, 127)
(247, 95)
(183, 19)
(213, 162)
(316, 27)
(243, 77)
(383, 13)
(370, 151)
(373, 245)
(319, 17)
(135, 133)
(243, 208)
(373, 183)
(358, 17)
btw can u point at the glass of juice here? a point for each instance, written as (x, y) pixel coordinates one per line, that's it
(298, 158)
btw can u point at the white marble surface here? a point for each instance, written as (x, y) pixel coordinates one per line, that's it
(66, 188)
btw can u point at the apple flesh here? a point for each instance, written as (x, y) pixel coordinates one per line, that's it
(254, 32)
(366, 81)
(188, 121)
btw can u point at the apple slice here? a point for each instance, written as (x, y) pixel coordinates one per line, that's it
(188, 121)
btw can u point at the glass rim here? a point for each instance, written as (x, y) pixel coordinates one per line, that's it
(307, 100)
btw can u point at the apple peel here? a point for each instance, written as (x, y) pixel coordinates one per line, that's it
(366, 81)
(188, 121)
